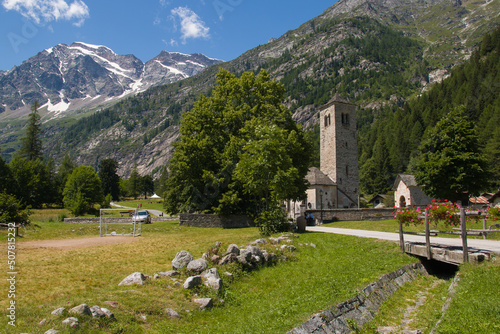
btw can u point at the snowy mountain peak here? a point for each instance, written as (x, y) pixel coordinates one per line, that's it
(81, 76)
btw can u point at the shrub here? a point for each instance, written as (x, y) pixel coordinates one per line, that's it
(272, 220)
(11, 210)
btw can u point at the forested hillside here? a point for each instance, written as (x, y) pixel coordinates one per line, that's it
(378, 54)
(389, 138)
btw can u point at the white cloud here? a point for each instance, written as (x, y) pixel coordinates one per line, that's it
(50, 10)
(192, 26)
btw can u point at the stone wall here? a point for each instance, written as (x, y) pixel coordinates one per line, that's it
(200, 220)
(352, 214)
(363, 307)
(115, 220)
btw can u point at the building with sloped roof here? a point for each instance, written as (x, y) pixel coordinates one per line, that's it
(408, 193)
(336, 183)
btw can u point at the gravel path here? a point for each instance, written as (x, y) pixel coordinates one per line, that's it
(74, 243)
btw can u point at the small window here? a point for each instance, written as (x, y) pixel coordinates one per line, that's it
(347, 171)
(328, 120)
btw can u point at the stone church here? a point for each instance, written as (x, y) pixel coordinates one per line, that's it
(336, 183)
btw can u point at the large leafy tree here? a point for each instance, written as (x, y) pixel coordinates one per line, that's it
(109, 178)
(240, 150)
(82, 190)
(33, 181)
(450, 164)
(64, 171)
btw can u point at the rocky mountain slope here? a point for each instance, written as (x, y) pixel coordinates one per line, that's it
(374, 52)
(64, 79)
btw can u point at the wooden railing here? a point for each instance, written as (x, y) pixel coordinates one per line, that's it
(462, 231)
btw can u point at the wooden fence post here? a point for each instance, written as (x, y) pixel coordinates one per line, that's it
(401, 238)
(464, 235)
(427, 235)
(485, 234)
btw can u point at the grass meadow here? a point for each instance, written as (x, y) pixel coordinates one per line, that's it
(269, 300)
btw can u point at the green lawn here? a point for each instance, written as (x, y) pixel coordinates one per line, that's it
(270, 300)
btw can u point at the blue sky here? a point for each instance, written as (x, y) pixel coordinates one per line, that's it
(221, 29)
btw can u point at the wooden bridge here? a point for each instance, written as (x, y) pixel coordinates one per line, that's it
(446, 253)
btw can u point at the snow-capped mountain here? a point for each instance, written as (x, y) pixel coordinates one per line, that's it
(68, 78)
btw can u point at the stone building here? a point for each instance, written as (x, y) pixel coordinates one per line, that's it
(336, 183)
(339, 149)
(408, 193)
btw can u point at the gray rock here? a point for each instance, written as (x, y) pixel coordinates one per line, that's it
(197, 266)
(82, 309)
(230, 258)
(59, 311)
(192, 282)
(97, 312)
(211, 273)
(255, 251)
(135, 278)
(214, 283)
(181, 260)
(204, 303)
(52, 331)
(71, 321)
(42, 322)
(215, 258)
(233, 249)
(274, 241)
(265, 256)
(259, 242)
(107, 312)
(170, 273)
(255, 259)
(242, 259)
(171, 313)
(246, 253)
(289, 248)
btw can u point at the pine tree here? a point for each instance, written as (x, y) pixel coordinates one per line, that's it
(32, 143)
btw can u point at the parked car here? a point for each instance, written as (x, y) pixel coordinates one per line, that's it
(142, 216)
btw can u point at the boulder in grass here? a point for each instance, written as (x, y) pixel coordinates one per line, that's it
(82, 309)
(233, 249)
(97, 312)
(197, 266)
(170, 273)
(181, 260)
(211, 273)
(135, 278)
(107, 312)
(229, 258)
(214, 283)
(171, 313)
(59, 311)
(204, 303)
(192, 282)
(52, 331)
(71, 321)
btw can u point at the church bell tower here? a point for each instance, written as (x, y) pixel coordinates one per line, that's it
(339, 149)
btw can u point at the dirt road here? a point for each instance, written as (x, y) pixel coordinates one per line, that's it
(75, 243)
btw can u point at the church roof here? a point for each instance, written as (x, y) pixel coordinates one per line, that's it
(337, 98)
(315, 177)
(408, 179)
